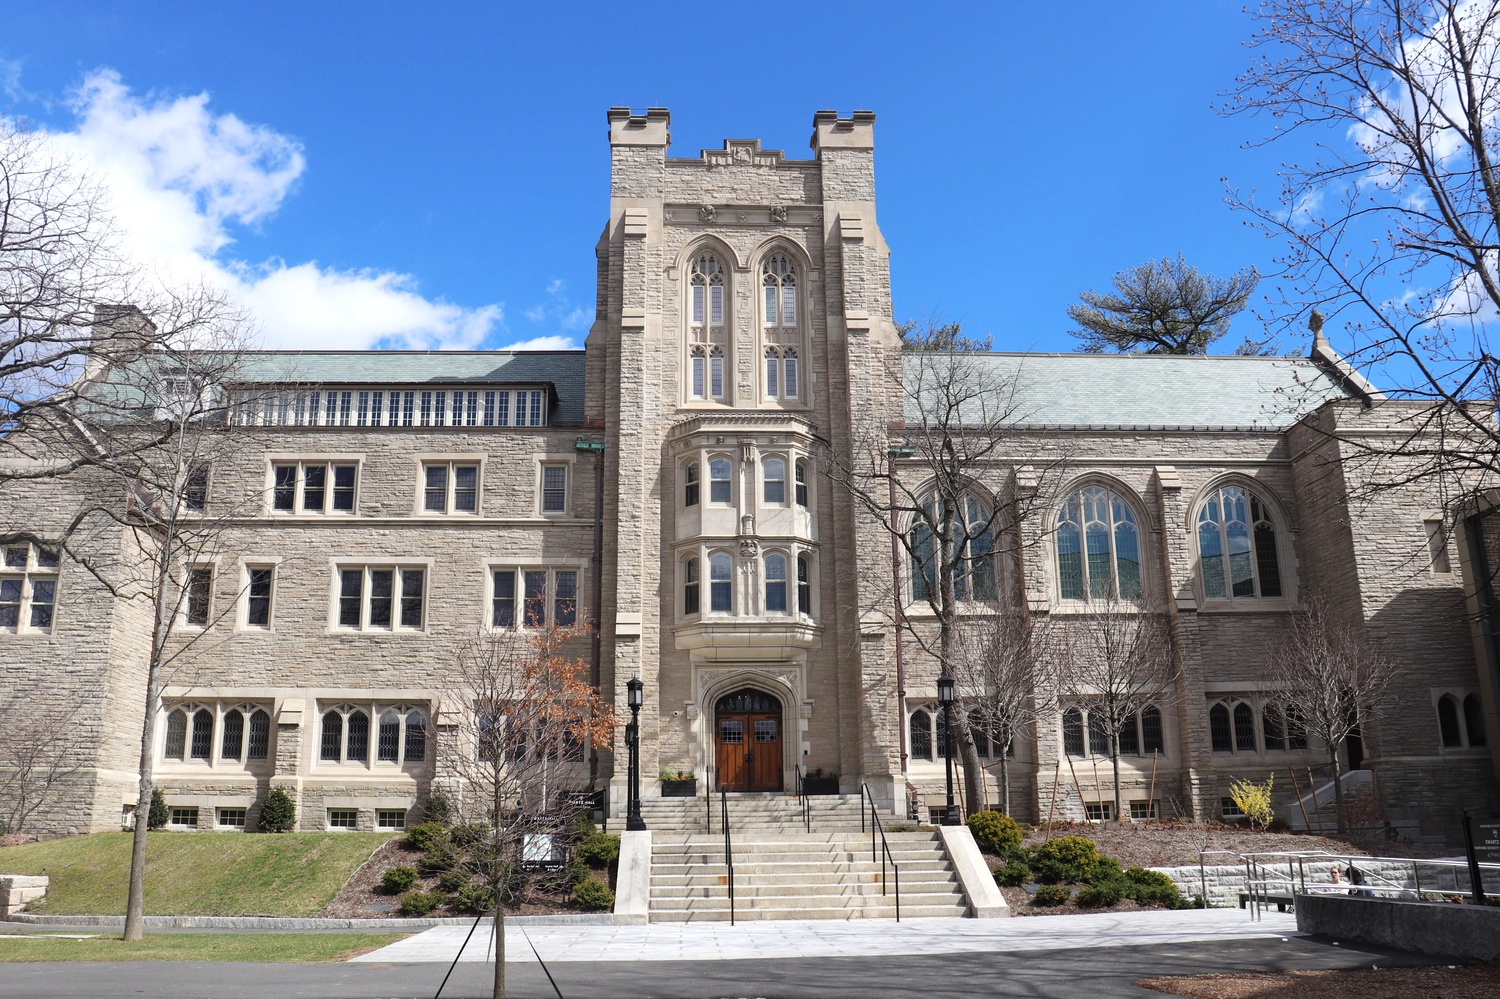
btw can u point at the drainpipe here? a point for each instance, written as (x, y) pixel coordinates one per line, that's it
(596, 670)
(893, 453)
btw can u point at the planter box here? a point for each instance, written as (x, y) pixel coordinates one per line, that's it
(820, 785)
(680, 788)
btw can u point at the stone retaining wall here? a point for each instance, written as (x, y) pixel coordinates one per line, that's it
(17, 890)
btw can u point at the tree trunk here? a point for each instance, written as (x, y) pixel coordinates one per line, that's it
(1005, 779)
(1338, 789)
(973, 785)
(498, 859)
(1114, 762)
(135, 902)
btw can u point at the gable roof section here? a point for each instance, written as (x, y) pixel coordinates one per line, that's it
(562, 369)
(1153, 391)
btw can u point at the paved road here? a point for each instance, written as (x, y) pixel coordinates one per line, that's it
(1048, 974)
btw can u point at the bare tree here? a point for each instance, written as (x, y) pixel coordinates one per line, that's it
(953, 488)
(1390, 207)
(1002, 668)
(62, 271)
(1163, 307)
(516, 763)
(42, 751)
(1333, 682)
(1115, 661)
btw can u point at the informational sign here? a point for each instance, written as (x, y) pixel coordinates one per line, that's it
(1487, 842)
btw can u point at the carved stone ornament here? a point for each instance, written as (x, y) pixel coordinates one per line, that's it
(744, 216)
(708, 213)
(778, 214)
(749, 547)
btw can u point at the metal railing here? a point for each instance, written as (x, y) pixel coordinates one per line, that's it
(885, 849)
(1367, 876)
(728, 848)
(803, 802)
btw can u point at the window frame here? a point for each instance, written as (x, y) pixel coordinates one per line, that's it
(767, 481)
(25, 577)
(707, 340)
(550, 597)
(331, 466)
(398, 597)
(247, 597)
(1255, 499)
(972, 572)
(554, 464)
(451, 465)
(1065, 517)
(219, 710)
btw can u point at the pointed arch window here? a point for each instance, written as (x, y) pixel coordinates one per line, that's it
(1098, 547)
(1237, 546)
(1448, 722)
(921, 735)
(707, 333)
(778, 278)
(1474, 721)
(1072, 724)
(973, 550)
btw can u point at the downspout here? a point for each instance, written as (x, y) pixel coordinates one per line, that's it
(596, 641)
(892, 453)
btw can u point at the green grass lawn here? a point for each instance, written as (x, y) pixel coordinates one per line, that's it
(276, 948)
(195, 874)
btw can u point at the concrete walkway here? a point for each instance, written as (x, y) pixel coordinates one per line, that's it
(818, 938)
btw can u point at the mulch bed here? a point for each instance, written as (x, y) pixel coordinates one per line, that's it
(361, 897)
(1385, 983)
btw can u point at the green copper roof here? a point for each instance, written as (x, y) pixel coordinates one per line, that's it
(563, 369)
(1147, 390)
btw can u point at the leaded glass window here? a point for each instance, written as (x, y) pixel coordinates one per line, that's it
(1237, 546)
(1098, 547)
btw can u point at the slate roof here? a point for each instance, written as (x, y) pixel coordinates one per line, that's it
(1155, 391)
(562, 369)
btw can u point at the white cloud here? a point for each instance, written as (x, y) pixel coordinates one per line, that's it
(180, 180)
(559, 310)
(545, 343)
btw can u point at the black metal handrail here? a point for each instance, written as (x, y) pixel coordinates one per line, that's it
(728, 848)
(802, 801)
(708, 809)
(885, 849)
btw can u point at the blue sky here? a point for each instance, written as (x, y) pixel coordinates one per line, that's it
(436, 174)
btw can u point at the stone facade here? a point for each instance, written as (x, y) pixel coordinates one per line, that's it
(744, 349)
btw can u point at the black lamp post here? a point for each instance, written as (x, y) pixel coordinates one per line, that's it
(945, 698)
(634, 697)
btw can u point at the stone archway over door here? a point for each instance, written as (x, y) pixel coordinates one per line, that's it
(747, 741)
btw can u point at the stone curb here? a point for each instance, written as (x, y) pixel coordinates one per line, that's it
(290, 923)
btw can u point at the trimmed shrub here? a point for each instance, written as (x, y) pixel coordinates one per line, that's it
(599, 850)
(396, 880)
(1065, 859)
(1012, 875)
(158, 814)
(421, 903)
(467, 834)
(995, 832)
(593, 895)
(440, 857)
(1100, 895)
(437, 809)
(1153, 888)
(1050, 895)
(452, 881)
(278, 814)
(576, 871)
(473, 900)
(424, 834)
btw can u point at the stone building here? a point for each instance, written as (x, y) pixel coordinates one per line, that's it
(388, 504)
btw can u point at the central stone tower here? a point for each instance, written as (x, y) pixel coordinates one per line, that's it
(744, 339)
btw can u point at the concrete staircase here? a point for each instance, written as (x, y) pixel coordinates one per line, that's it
(784, 872)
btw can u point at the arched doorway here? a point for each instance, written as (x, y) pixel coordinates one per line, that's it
(747, 740)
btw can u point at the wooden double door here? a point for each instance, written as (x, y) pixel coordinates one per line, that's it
(747, 726)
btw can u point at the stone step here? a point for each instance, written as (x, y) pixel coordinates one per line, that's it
(864, 912)
(752, 837)
(801, 897)
(804, 879)
(807, 889)
(788, 856)
(807, 868)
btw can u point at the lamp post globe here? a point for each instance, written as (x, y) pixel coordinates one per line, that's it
(945, 698)
(634, 698)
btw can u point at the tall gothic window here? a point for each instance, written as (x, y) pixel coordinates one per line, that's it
(1237, 545)
(778, 278)
(1098, 547)
(708, 334)
(973, 544)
